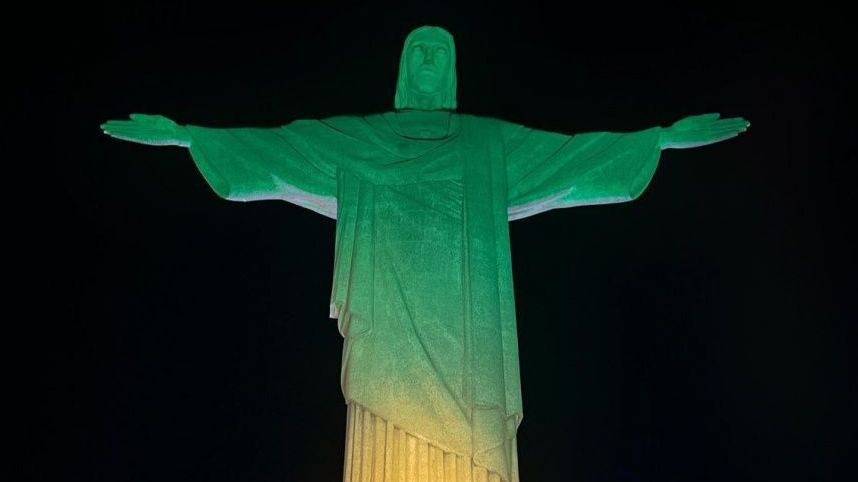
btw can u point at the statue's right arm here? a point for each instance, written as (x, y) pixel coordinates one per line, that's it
(291, 163)
(154, 130)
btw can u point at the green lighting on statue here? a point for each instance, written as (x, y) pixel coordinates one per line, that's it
(422, 285)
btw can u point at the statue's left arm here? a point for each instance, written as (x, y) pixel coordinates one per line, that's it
(549, 170)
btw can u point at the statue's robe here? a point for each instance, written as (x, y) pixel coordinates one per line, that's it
(422, 285)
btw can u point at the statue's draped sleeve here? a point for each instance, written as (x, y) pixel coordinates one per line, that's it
(549, 170)
(296, 162)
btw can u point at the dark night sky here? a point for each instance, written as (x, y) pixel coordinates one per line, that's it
(700, 333)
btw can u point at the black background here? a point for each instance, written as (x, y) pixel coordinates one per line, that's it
(700, 333)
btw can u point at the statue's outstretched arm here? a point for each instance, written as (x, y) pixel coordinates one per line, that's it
(154, 130)
(701, 130)
(549, 170)
(287, 163)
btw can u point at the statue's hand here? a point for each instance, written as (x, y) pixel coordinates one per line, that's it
(700, 130)
(155, 130)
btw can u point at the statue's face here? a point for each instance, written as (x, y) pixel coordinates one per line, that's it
(428, 59)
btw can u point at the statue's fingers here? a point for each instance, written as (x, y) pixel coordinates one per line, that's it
(721, 130)
(127, 130)
(718, 129)
(708, 136)
(695, 120)
(113, 124)
(152, 141)
(126, 125)
(738, 126)
(134, 126)
(137, 134)
(123, 137)
(720, 136)
(739, 121)
(732, 123)
(710, 116)
(115, 131)
(726, 136)
(131, 127)
(146, 117)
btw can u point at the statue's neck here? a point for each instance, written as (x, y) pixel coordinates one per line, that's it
(425, 101)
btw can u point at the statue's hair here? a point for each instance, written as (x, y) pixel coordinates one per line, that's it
(448, 100)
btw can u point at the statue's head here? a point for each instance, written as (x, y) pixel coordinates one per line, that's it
(427, 71)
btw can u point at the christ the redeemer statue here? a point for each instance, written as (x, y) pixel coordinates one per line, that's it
(422, 290)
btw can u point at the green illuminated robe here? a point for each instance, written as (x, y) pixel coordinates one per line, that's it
(422, 287)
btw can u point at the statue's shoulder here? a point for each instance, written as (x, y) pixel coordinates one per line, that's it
(345, 120)
(487, 120)
(348, 124)
(359, 122)
(489, 124)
